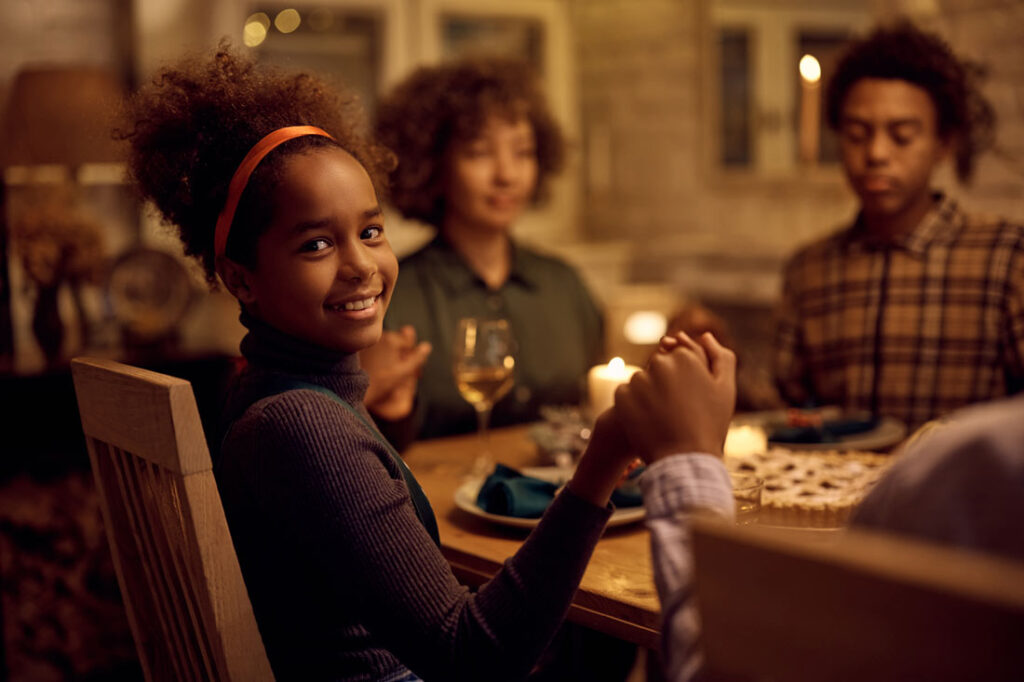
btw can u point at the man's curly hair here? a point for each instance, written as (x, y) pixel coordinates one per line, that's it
(436, 106)
(901, 51)
(194, 123)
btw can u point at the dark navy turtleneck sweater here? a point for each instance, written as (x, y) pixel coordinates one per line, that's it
(345, 582)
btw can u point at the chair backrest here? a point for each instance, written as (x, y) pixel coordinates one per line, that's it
(183, 590)
(864, 606)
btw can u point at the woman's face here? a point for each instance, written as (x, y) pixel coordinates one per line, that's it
(324, 269)
(491, 178)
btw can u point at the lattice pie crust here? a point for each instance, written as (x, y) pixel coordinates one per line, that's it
(811, 489)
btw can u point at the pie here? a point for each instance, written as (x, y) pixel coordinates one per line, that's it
(811, 489)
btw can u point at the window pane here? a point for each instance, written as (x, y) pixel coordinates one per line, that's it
(466, 35)
(341, 44)
(734, 48)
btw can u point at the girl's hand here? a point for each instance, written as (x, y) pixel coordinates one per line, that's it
(393, 365)
(682, 402)
(601, 465)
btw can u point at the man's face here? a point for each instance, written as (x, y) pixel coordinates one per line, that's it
(890, 144)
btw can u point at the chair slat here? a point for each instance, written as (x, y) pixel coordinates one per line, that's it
(142, 531)
(169, 536)
(176, 566)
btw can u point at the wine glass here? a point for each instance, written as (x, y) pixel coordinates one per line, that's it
(483, 365)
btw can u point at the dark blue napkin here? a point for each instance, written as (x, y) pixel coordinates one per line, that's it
(508, 492)
(831, 431)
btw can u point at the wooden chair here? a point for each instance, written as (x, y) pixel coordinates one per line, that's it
(864, 606)
(186, 601)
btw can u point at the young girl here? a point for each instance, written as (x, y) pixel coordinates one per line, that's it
(273, 189)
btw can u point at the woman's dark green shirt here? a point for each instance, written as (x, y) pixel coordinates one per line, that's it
(557, 327)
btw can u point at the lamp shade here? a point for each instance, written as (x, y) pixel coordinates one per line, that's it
(62, 115)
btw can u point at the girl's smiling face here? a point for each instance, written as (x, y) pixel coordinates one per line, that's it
(324, 269)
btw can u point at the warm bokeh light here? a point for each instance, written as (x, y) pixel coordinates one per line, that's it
(644, 327)
(287, 20)
(810, 69)
(617, 365)
(255, 31)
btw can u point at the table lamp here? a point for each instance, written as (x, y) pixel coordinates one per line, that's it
(55, 116)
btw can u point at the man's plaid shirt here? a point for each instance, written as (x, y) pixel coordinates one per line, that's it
(911, 328)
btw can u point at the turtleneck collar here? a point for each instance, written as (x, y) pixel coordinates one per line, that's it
(268, 349)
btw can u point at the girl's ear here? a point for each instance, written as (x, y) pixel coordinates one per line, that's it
(236, 278)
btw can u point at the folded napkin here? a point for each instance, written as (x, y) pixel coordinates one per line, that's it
(830, 431)
(508, 492)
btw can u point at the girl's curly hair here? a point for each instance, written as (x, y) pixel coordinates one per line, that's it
(902, 51)
(194, 123)
(438, 105)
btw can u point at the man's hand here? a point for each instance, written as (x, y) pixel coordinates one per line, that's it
(682, 402)
(393, 365)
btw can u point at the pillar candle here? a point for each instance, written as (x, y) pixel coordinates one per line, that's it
(602, 381)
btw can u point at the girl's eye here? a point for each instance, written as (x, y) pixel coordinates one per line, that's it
(318, 244)
(372, 232)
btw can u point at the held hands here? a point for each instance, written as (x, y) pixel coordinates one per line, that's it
(682, 402)
(393, 365)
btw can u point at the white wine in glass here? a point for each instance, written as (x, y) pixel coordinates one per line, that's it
(483, 365)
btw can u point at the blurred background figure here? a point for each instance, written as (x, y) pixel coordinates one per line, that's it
(477, 145)
(917, 308)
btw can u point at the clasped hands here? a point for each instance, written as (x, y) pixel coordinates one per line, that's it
(681, 402)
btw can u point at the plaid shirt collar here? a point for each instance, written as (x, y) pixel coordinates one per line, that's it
(943, 220)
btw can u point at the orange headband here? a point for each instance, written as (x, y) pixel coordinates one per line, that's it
(241, 177)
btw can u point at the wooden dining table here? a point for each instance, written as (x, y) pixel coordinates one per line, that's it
(617, 594)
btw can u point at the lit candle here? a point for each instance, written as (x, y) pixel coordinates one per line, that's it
(810, 108)
(602, 381)
(744, 440)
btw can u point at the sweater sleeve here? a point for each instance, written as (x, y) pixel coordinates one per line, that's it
(331, 483)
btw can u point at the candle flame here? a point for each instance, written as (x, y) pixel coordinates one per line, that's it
(617, 365)
(810, 69)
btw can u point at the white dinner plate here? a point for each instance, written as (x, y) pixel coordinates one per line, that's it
(887, 432)
(465, 499)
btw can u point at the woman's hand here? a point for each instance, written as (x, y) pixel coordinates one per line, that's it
(682, 402)
(394, 365)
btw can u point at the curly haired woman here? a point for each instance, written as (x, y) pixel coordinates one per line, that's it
(476, 147)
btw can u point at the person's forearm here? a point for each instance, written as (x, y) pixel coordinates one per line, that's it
(598, 474)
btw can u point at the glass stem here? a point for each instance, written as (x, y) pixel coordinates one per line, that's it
(483, 459)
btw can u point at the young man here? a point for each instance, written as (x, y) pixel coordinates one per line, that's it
(917, 308)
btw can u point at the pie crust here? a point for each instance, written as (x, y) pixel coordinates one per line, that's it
(811, 489)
